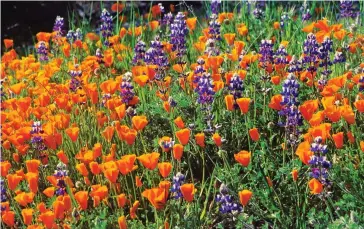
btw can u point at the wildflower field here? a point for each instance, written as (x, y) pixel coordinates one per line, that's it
(231, 115)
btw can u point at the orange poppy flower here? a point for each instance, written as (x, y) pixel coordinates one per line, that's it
(188, 191)
(308, 108)
(4, 168)
(243, 30)
(82, 199)
(338, 140)
(24, 198)
(276, 25)
(126, 163)
(73, 132)
(229, 100)
(254, 134)
(217, 139)
(164, 169)
(32, 166)
(17, 88)
(362, 146)
(138, 182)
(82, 169)
(243, 157)
(111, 174)
(108, 133)
(122, 222)
(315, 186)
(13, 180)
(275, 102)
(27, 214)
(32, 179)
(177, 151)
(276, 80)
(229, 37)
(62, 157)
(130, 136)
(49, 192)
(8, 218)
(359, 104)
(133, 209)
(304, 152)
(243, 104)
(109, 86)
(149, 160)
(183, 136)
(139, 122)
(156, 196)
(191, 23)
(58, 208)
(200, 139)
(121, 200)
(117, 7)
(350, 137)
(95, 168)
(42, 36)
(294, 174)
(47, 219)
(8, 43)
(244, 197)
(153, 25)
(179, 122)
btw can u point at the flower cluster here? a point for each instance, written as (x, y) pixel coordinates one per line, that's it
(324, 55)
(236, 87)
(178, 35)
(226, 201)
(37, 140)
(215, 6)
(295, 65)
(127, 89)
(75, 74)
(60, 174)
(310, 49)
(178, 180)
(42, 51)
(204, 84)
(156, 56)
(73, 36)
(106, 26)
(3, 197)
(318, 161)
(57, 28)
(258, 12)
(290, 111)
(280, 56)
(139, 52)
(348, 9)
(212, 48)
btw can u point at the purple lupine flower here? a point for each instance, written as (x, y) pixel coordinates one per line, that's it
(295, 66)
(75, 82)
(236, 87)
(37, 140)
(139, 52)
(339, 57)
(204, 89)
(106, 26)
(42, 51)
(3, 197)
(60, 174)
(172, 102)
(258, 12)
(58, 24)
(215, 6)
(267, 53)
(99, 56)
(178, 35)
(361, 83)
(290, 112)
(310, 49)
(284, 18)
(280, 56)
(156, 56)
(73, 36)
(78, 34)
(325, 62)
(306, 15)
(226, 201)
(127, 89)
(349, 9)
(167, 19)
(318, 161)
(178, 180)
(212, 48)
